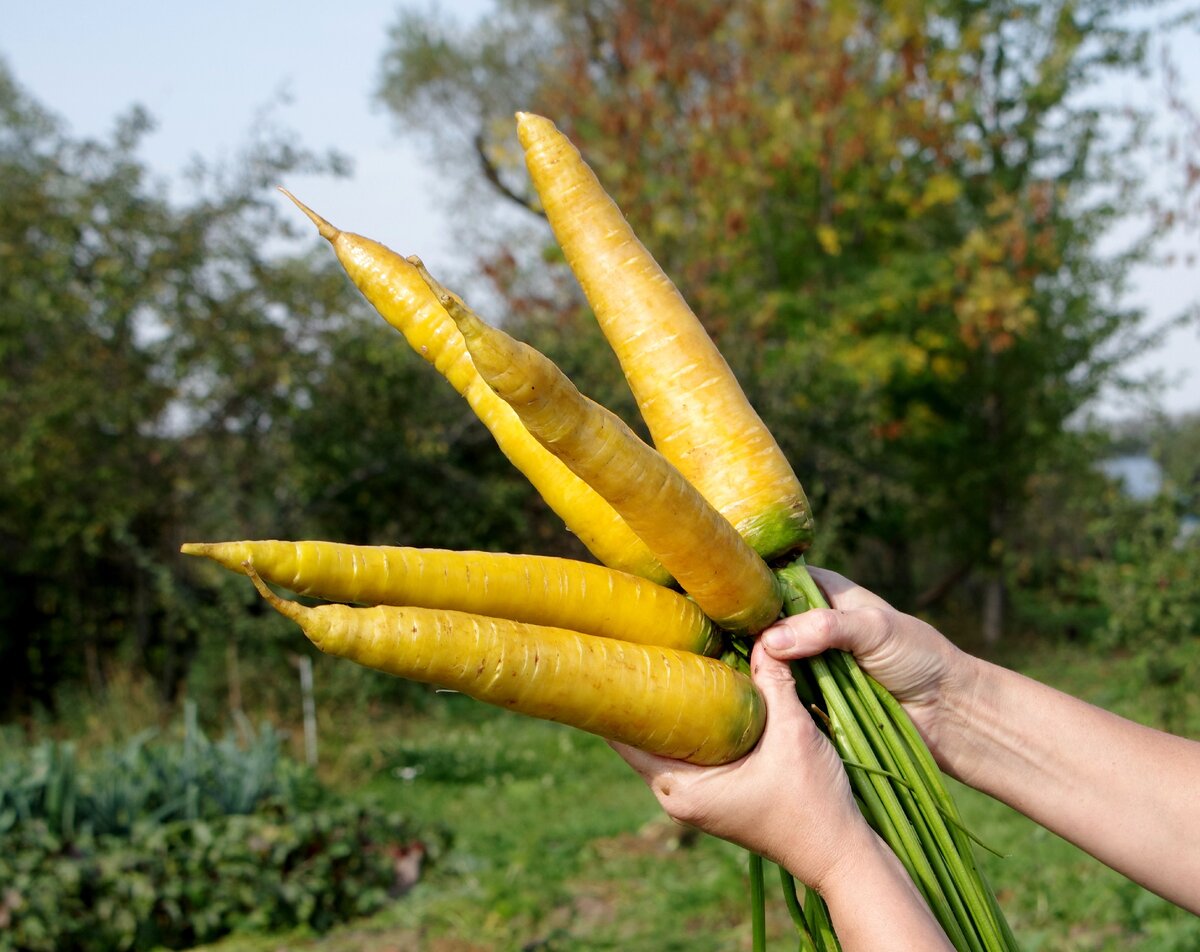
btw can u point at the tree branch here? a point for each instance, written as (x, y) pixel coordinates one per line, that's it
(492, 174)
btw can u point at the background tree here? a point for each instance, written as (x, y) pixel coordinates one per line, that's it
(175, 370)
(890, 217)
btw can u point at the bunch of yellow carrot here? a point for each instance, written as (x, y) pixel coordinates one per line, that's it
(700, 537)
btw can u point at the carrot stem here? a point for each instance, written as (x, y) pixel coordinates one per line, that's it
(900, 788)
(758, 904)
(283, 606)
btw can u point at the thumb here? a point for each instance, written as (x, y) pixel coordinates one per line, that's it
(773, 678)
(801, 636)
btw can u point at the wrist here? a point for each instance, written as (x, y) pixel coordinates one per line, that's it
(874, 904)
(859, 850)
(962, 700)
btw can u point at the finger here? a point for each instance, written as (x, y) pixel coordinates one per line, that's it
(858, 631)
(646, 764)
(665, 777)
(773, 678)
(771, 675)
(842, 592)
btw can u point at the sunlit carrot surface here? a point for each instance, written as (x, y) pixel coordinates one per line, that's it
(691, 401)
(696, 544)
(673, 703)
(562, 593)
(395, 288)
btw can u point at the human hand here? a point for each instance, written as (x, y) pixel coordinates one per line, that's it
(916, 663)
(788, 800)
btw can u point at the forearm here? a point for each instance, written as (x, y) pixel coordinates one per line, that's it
(875, 907)
(1127, 794)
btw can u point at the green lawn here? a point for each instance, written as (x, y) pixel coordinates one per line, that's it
(558, 846)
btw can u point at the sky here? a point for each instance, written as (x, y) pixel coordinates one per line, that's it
(206, 72)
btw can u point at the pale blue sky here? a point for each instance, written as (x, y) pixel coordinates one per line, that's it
(205, 71)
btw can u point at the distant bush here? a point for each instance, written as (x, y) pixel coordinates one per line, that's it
(187, 882)
(176, 844)
(195, 778)
(1147, 584)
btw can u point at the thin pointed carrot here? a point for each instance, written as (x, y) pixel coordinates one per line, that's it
(562, 593)
(673, 703)
(396, 290)
(693, 541)
(692, 403)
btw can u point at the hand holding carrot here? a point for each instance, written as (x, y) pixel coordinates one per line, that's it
(914, 661)
(789, 800)
(793, 780)
(1122, 791)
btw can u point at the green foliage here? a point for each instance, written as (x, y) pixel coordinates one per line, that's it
(145, 782)
(178, 884)
(1116, 573)
(175, 369)
(1146, 582)
(124, 323)
(1146, 585)
(172, 844)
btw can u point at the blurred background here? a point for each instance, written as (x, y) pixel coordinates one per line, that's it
(948, 248)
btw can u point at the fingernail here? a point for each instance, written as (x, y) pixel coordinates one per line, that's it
(777, 637)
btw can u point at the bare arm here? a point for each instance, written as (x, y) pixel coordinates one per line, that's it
(1127, 794)
(789, 800)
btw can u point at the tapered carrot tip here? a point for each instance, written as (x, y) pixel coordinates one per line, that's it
(287, 609)
(531, 127)
(327, 231)
(466, 319)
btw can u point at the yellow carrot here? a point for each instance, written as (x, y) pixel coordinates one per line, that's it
(695, 409)
(673, 703)
(561, 593)
(396, 290)
(693, 541)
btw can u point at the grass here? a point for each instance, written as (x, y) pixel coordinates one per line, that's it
(557, 845)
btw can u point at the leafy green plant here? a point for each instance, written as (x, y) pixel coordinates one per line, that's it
(145, 782)
(185, 882)
(173, 842)
(1148, 581)
(1145, 582)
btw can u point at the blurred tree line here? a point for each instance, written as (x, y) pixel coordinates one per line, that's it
(891, 217)
(170, 372)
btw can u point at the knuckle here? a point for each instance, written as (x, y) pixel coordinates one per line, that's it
(822, 624)
(877, 623)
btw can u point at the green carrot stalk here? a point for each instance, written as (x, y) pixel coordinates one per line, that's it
(900, 788)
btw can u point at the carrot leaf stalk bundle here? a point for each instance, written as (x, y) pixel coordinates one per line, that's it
(900, 788)
(674, 703)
